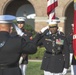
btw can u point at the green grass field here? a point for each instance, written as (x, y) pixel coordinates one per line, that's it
(33, 68)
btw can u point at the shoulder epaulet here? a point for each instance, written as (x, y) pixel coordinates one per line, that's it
(61, 33)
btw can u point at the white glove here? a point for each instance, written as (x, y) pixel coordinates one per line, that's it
(18, 30)
(20, 61)
(43, 29)
(71, 57)
(64, 71)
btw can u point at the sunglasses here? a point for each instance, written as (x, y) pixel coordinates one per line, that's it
(53, 27)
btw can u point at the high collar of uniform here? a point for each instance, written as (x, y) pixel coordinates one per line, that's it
(54, 33)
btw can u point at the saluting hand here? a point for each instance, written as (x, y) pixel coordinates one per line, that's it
(18, 30)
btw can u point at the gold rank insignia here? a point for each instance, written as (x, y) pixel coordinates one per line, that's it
(48, 39)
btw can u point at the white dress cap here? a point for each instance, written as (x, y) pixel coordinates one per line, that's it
(52, 22)
(20, 18)
(7, 18)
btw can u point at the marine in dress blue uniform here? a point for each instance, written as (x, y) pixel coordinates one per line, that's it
(56, 57)
(24, 58)
(11, 47)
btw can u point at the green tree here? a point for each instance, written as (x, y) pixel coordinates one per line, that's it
(30, 29)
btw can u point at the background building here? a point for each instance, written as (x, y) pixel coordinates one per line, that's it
(38, 9)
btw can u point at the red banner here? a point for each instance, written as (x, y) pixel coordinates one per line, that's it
(74, 33)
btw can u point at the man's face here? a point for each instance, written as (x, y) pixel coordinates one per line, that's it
(20, 25)
(53, 29)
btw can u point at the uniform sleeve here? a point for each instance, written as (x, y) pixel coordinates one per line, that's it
(38, 39)
(28, 46)
(68, 39)
(66, 54)
(40, 42)
(69, 42)
(45, 32)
